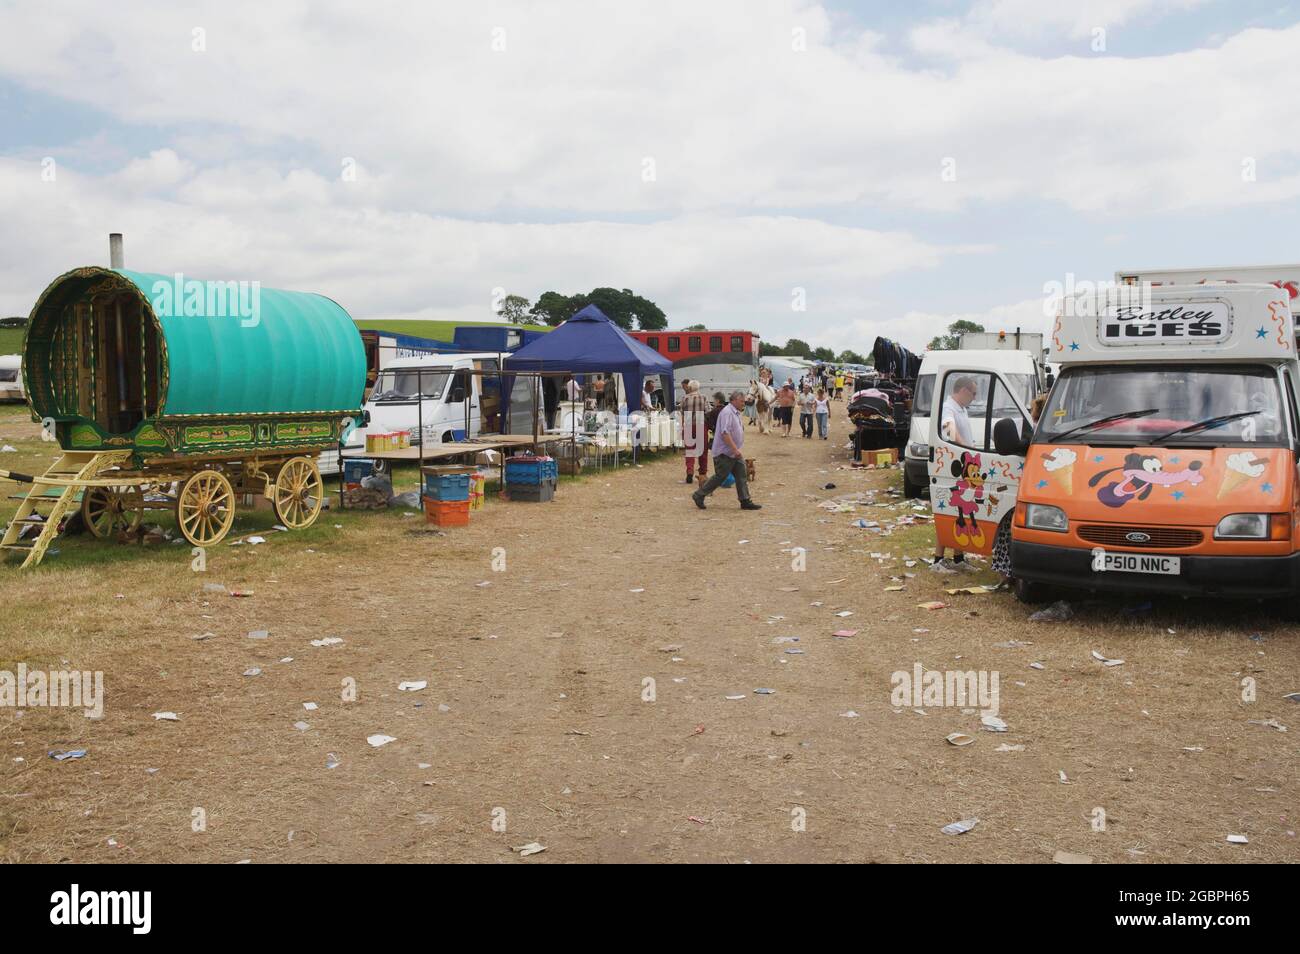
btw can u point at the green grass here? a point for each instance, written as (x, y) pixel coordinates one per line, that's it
(438, 330)
(11, 340)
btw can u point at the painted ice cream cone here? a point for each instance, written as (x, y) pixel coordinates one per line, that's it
(1060, 465)
(1241, 467)
(1232, 479)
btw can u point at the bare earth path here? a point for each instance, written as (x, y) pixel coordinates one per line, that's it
(547, 729)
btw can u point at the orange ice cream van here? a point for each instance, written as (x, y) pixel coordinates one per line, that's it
(1165, 458)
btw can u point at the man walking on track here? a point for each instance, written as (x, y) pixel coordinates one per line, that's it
(729, 455)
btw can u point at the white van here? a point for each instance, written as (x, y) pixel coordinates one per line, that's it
(11, 377)
(1020, 368)
(434, 397)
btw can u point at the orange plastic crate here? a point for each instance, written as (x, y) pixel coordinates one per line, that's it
(447, 513)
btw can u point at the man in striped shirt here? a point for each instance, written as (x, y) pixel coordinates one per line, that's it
(694, 431)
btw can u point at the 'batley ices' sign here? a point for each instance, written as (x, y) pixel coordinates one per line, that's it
(1201, 322)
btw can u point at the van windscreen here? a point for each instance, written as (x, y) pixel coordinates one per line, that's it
(1164, 404)
(405, 384)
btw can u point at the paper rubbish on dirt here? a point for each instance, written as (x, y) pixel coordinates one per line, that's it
(1058, 612)
(1270, 723)
(993, 723)
(960, 827)
(1069, 858)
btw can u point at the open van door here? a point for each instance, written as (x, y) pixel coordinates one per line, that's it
(972, 487)
(461, 410)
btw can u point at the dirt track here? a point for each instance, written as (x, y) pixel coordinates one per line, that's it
(542, 672)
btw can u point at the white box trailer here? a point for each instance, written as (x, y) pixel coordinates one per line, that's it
(1285, 277)
(1002, 341)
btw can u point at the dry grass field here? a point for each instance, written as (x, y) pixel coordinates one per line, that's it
(538, 722)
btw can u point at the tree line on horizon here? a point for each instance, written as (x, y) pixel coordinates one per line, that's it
(624, 307)
(633, 312)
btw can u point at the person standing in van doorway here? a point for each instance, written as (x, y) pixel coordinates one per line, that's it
(729, 456)
(954, 425)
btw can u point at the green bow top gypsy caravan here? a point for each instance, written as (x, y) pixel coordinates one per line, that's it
(219, 388)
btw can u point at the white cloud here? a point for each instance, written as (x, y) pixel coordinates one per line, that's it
(298, 230)
(733, 117)
(524, 168)
(915, 329)
(1076, 18)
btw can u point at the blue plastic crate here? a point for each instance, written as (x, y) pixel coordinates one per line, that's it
(446, 487)
(356, 470)
(531, 470)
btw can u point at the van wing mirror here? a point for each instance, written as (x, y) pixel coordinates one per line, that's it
(1007, 439)
(457, 395)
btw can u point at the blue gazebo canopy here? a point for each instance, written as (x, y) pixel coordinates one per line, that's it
(590, 342)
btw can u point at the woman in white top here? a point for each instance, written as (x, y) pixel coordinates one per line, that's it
(823, 411)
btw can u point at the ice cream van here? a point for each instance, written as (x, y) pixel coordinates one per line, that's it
(1165, 458)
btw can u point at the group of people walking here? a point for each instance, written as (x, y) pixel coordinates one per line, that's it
(714, 427)
(812, 405)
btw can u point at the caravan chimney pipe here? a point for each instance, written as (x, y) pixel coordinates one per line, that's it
(115, 256)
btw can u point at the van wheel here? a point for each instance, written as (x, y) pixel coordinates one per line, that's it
(910, 490)
(1028, 591)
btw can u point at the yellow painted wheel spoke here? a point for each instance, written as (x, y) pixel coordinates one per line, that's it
(298, 493)
(204, 507)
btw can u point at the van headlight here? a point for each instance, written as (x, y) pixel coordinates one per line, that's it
(918, 450)
(1045, 517)
(1242, 526)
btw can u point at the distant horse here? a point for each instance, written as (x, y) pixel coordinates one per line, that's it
(763, 395)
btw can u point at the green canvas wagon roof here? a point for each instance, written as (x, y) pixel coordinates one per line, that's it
(263, 352)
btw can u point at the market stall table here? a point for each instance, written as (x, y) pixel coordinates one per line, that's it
(506, 443)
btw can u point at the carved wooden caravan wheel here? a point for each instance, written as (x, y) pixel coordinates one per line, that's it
(108, 511)
(299, 493)
(205, 507)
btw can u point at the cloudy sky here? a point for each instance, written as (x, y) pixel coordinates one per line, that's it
(894, 165)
